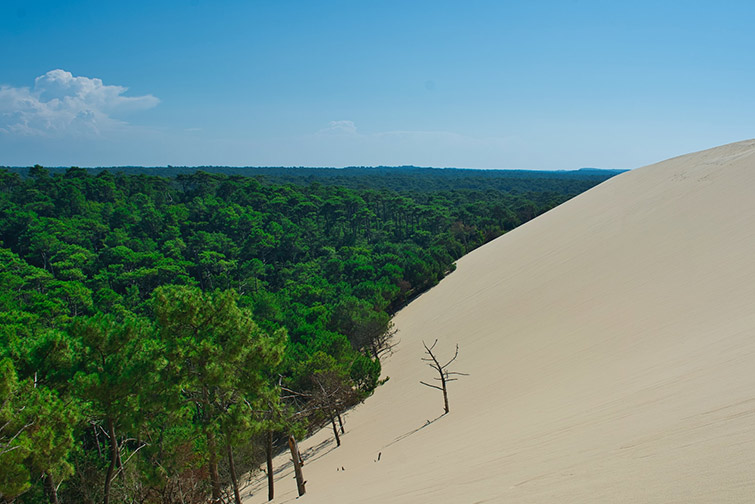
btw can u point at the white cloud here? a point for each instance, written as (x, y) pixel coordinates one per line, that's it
(60, 104)
(340, 128)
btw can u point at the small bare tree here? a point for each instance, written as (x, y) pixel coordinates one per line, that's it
(444, 375)
(296, 459)
(383, 342)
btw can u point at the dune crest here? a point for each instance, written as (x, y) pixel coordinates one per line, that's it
(611, 350)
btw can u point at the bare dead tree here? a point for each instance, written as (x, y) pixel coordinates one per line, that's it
(327, 395)
(327, 408)
(301, 408)
(444, 375)
(295, 458)
(332, 394)
(383, 342)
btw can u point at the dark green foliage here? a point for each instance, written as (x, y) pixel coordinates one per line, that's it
(146, 323)
(217, 362)
(36, 433)
(402, 178)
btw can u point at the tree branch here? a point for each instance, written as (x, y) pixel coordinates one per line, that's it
(433, 386)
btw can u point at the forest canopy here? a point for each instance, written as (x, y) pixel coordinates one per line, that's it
(150, 319)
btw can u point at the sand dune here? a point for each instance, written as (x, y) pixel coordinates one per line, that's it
(611, 351)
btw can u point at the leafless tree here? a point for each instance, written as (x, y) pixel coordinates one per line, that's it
(295, 458)
(333, 393)
(383, 342)
(444, 375)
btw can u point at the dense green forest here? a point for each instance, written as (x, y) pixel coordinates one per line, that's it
(402, 178)
(160, 334)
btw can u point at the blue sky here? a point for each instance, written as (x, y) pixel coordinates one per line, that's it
(479, 84)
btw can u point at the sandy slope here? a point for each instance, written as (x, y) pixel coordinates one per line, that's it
(611, 347)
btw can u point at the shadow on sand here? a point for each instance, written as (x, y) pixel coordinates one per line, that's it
(406, 435)
(257, 481)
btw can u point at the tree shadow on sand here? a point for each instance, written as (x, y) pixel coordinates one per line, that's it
(414, 431)
(258, 480)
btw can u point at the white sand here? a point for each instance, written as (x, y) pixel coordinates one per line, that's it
(611, 347)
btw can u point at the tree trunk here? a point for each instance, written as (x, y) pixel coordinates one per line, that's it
(335, 431)
(234, 480)
(113, 460)
(214, 476)
(97, 438)
(340, 422)
(119, 465)
(269, 456)
(297, 465)
(52, 492)
(445, 393)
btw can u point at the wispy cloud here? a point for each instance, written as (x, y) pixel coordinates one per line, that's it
(339, 128)
(60, 104)
(349, 129)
